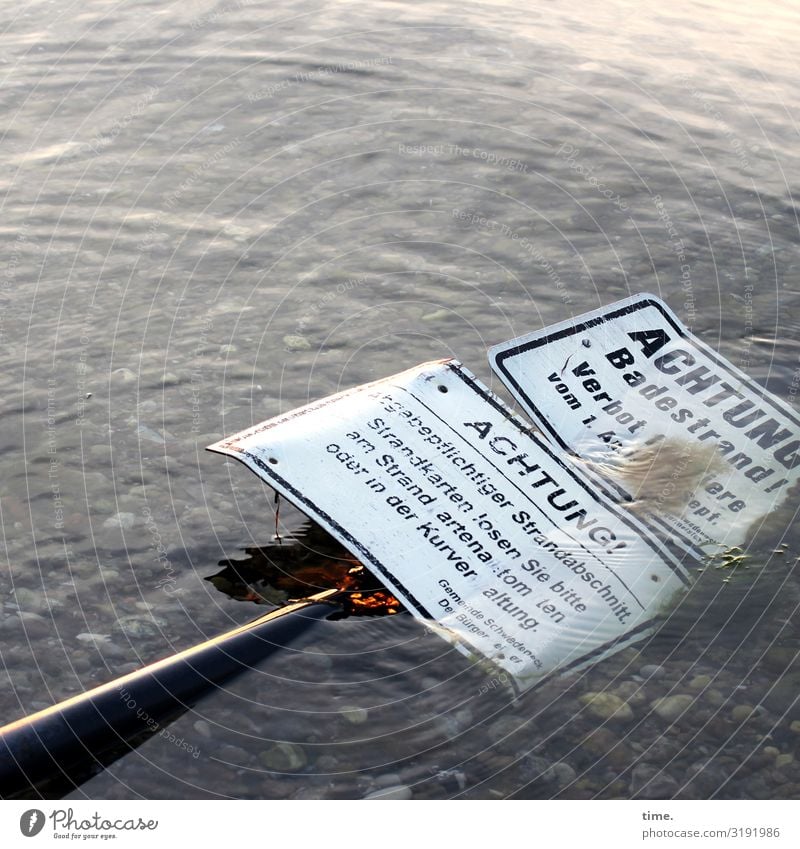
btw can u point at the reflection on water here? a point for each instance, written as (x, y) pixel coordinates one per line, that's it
(214, 213)
(299, 566)
(380, 706)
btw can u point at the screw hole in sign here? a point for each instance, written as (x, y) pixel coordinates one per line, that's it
(273, 461)
(442, 388)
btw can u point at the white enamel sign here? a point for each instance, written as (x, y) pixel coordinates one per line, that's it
(470, 519)
(697, 448)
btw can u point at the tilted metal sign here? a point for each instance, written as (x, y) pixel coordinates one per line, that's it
(469, 518)
(700, 449)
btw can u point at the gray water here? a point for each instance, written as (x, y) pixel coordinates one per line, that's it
(215, 212)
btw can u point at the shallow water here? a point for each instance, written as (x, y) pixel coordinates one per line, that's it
(215, 212)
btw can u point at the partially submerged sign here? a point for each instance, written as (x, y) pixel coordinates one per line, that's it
(469, 518)
(697, 447)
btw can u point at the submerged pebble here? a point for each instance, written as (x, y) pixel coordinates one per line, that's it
(92, 638)
(121, 520)
(203, 729)
(296, 343)
(398, 791)
(354, 715)
(672, 708)
(607, 706)
(631, 692)
(30, 600)
(140, 626)
(650, 782)
(652, 671)
(284, 757)
(742, 712)
(389, 779)
(502, 733)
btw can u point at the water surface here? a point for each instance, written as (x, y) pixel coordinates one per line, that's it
(215, 212)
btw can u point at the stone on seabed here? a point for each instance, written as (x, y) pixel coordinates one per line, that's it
(284, 757)
(672, 707)
(399, 791)
(607, 706)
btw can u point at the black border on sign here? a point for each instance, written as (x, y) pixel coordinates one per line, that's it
(574, 329)
(641, 631)
(306, 505)
(657, 545)
(649, 301)
(343, 535)
(541, 419)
